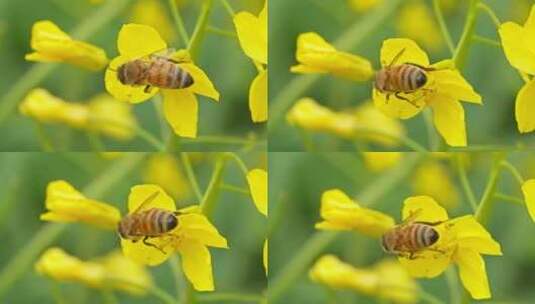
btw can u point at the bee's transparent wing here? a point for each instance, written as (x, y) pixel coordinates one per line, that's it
(396, 58)
(172, 55)
(149, 199)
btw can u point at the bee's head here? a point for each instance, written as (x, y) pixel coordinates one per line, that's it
(171, 222)
(431, 237)
(421, 79)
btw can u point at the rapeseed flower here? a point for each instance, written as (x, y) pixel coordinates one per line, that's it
(113, 271)
(153, 13)
(102, 114)
(386, 280)
(258, 186)
(253, 37)
(380, 161)
(363, 122)
(315, 55)
(163, 170)
(432, 178)
(416, 21)
(136, 41)
(519, 50)
(362, 6)
(51, 44)
(444, 88)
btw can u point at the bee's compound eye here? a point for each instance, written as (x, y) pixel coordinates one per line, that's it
(171, 222)
(433, 236)
(421, 79)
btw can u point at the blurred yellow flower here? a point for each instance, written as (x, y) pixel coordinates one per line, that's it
(51, 44)
(416, 21)
(362, 6)
(153, 13)
(386, 280)
(528, 189)
(380, 161)
(136, 41)
(339, 212)
(433, 179)
(191, 238)
(519, 49)
(66, 204)
(444, 88)
(315, 55)
(461, 241)
(265, 257)
(258, 186)
(112, 271)
(163, 170)
(363, 122)
(102, 114)
(253, 37)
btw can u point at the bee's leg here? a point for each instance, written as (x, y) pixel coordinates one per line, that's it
(397, 94)
(387, 98)
(151, 244)
(147, 89)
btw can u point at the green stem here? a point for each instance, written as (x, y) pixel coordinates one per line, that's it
(95, 142)
(351, 38)
(157, 292)
(230, 297)
(490, 13)
(509, 198)
(432, 137)
(228, 8)
(487, 41)
(465, 183)
(184, 157)
(235, 189)
(209, 199)
(453, 285)
(45, 140)
(429, 298)
(174, 263)
(200, 29)
(224, 140)
(463, 46)
(90, 25)
(512, 169)
(149, 138)
(486, 205)
(218, 31)
(316, 244)
(238, 161)
(404, 140)
(179, 22)
(443, 27)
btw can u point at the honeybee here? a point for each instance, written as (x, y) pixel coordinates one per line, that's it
(402, 78)
(410, 237)
(150, 223)
(158, 70)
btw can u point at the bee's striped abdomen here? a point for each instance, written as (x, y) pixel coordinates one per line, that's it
(406, 78)
(167, 75)
(152, 222)
(421, 236)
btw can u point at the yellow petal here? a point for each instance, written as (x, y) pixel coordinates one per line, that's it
(514, 45)
(433, 179)
(163, 169)
(416, 20)
(525, 108)
(423, 209)
(252, 34)
(45, 31)
(42, 57)
(198, 227)
(426, 264)
(147, 255)
(201, 83)
(265, 257)
(140, 193)
(451, 83)
(394, 107)
(379, 161)
(153, 13)
(111, 117)
(412, 52)
(376, 126)
(473, 273)
(258, 97)
(125, 274)
(180, 109)
(448, 115)
(472, 235)
(197, 265)
(258, 185)
(528, 189)
(137, 40)
(130, 93)
(305, 69)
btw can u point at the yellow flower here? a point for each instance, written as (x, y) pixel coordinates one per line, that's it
(315, 55)
(363, 122)
(415, 20)
(253, 37)
(380, 161)
(138, 41)
(519, 49)
(362, 6)
(191, 238)
(339, 212)
(265, 256)
(258, 186)
(386, 280)
(102, 114)
(112, 271)
(528, 189)
(461, 241)
(163, 170)
(51, 44)
(66, 204)
(153, 13)
(433, 179)
(444, 89)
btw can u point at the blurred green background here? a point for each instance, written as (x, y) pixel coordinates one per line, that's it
(298, 179)
(221, 58)
(26, 175)
(487, 69)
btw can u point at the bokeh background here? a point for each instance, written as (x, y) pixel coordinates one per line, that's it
(221, 58)
(486, 69)
(236, 270)
(295, 189)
